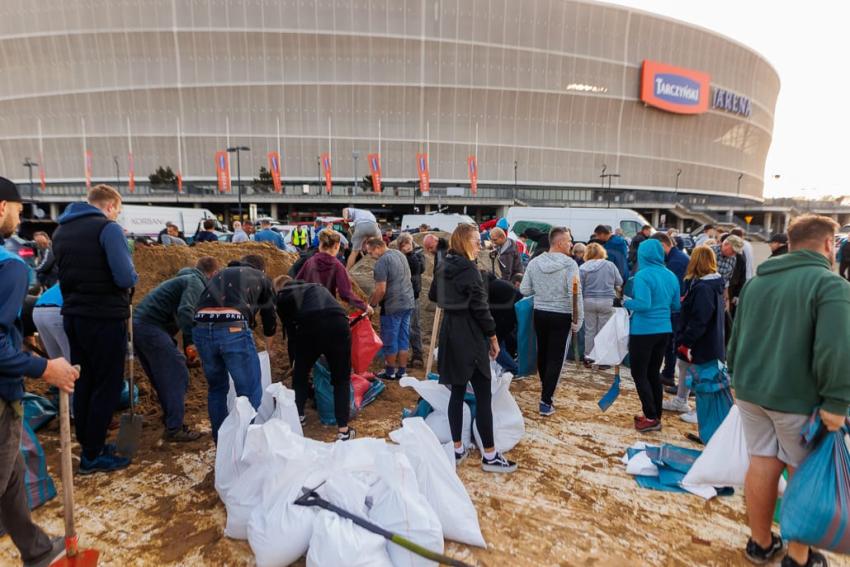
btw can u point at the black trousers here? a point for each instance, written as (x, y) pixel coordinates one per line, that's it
(552, 330)
(670, 352)
(844, 269)
(647, 353)
(329, 336)
(99, 346)
(483, 408)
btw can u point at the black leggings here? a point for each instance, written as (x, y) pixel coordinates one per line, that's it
(330, 336)
(483, 411)
(647, 353)
(552, 330)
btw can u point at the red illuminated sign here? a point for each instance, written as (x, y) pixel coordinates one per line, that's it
(674, 89)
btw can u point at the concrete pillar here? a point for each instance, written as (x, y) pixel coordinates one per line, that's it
(786, 222)
(54, 211)
(656, 217)
(196, 205)
(427, 208)
(273, 210)
(680, 224)
(768, 223)
(730, 215)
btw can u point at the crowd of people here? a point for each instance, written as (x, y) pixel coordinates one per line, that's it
(686, 310)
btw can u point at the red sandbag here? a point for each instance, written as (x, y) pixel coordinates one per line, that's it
(365, 343)
(360, 386)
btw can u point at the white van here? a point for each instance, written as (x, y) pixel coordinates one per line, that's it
(141, 220)
(445, 222)
(580, 220)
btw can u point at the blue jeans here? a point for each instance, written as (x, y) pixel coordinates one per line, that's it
(505, 360)
(165, 365)
(228, 348)
(395, 332)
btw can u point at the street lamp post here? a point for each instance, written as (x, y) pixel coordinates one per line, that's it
(29, 164)
(515, 169)
(355, 155)
(237, 150)
(608, 176)
(678, 173)
(117, 173)
(740, 176)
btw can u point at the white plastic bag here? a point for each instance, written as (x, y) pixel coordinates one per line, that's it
(438, 396)
(439, 482)
(724, 461)
(231, 441)
(279, 403)
(508, 423)
(611, 344)
(399, 507)
(279, 531)
(265, 378)
(339, 541)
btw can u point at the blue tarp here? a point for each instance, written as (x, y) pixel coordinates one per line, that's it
(525, 337)
(673, 464)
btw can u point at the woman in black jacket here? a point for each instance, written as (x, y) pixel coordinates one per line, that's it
(700, 338)
(467, 343)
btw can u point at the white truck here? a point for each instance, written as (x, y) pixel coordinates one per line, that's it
(141, 220)
(446, 222)
(580, 220)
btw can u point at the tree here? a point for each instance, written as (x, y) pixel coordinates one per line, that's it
(163, 176)
(264, 181)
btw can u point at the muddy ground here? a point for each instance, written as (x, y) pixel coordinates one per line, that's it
(570, 503)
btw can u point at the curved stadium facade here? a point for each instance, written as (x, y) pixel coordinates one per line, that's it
(546, 95)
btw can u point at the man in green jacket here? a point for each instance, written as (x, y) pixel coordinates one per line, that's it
(165, 310)
(788, 356)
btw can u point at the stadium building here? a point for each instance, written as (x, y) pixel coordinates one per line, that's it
(559, 102)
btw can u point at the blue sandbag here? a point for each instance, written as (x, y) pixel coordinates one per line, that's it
(38, 411)
(39, 485)
(324, 392)
(710, 383)
(673, 464)
(816, 504)
(525, 337)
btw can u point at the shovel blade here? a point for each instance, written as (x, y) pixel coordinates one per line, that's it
(129, 435)
(611, 395)
(83, 558)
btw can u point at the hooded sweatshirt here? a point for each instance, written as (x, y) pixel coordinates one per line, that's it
(788, 351)
(549, 278)
(618, 253)
(702, 324)
(328, 271)
(599, 278)
(654, 292)
(171, 305)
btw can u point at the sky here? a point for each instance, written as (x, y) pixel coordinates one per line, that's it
(808, 43)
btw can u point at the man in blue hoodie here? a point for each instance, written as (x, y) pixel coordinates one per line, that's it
(36, 547)
(96, 275)
(616, 247)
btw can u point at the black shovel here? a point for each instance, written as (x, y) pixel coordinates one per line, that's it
(130, 433)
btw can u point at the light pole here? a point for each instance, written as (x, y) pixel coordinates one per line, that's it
(355, 155)
(29, 164)
(515, 168)
(740, 176)
(237, 150)
(117, 173)
(608, 176)
(678, 173)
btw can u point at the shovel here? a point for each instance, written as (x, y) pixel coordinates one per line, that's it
(612, 393)
(575, 316)
(435, 333)
(74, 557)
(311, 498)
(130, 433)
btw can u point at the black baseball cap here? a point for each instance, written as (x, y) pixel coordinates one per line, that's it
(9, 191)
(780, 238)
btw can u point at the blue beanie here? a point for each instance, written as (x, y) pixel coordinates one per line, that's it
(502, 223)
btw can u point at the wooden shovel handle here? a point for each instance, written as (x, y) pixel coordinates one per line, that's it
(435, 333)
(67, 472)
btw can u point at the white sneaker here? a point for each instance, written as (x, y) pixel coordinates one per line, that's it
(690, 417)
(676, 404)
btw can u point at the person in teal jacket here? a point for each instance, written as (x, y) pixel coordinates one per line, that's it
(653, 296)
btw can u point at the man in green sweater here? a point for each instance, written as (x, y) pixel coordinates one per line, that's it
(788, 355)
(169, 308)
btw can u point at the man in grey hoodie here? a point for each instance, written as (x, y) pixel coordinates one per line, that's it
(549, 278)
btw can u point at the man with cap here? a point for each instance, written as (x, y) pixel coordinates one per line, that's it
(727, 255)
(36, 547)
(96, 276)
(778, 244)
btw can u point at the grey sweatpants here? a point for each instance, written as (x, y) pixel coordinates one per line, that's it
(30, 539)
(597, 311)
(48, 321)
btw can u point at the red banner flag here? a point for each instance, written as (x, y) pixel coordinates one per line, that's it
(88, 158)
(131, 174)
(43, 184)
(179, 182)
(375, 169)
(222, 170)
(326, 165)
(424, 175)
(274, 169)
(472, 165)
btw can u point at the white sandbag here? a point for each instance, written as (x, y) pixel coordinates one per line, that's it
(338, 541)
(265, 378)
(641, 465)
(279, 531)
(231, 440)
(508, 423)
(279, 403)
(246, 495)
(439, 482)
(276, 438)
(611, 344)
(400, 508)
(438, 396)
(724, 461)
(359, 458)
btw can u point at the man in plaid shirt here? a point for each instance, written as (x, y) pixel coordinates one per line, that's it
(727, 256)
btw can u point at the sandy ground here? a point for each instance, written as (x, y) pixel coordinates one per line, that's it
(570, 503)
